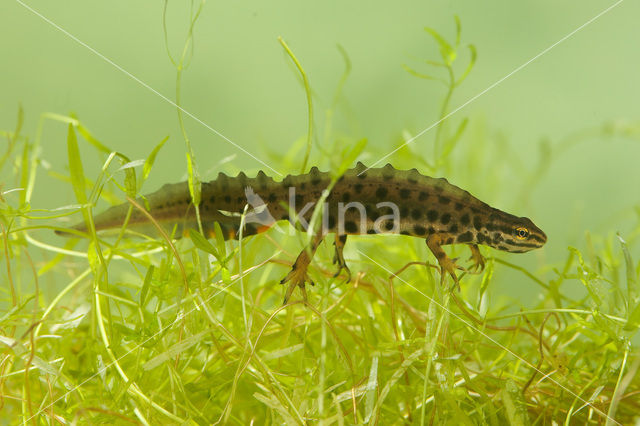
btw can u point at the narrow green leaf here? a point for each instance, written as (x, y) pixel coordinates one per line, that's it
(307, 90)
(61, 118)
(86, 134)
(219, 236)
(372, 387)
(350, 154)
(632, 281)
(458, 29)
(516, 406)
(145, 286)
(174, 350)
(148, 164)
(75, 166)
(419, 75)
(447, 52)
(130, 182)
(93, 256)
(130, 164)
(194, 181)
(591, 280)
(633, 322)
(486, 280)
(472, 62)
(222, 251)
(202, 243)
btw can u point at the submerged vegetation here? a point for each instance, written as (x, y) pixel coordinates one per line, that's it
(131, 329)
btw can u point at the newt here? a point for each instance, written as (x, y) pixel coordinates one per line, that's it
(363, 201)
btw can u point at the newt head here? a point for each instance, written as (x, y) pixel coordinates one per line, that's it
(516, 235)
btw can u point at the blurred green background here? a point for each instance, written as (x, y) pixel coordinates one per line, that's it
(241, 83)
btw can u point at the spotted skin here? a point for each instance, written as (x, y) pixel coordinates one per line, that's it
(429, 208)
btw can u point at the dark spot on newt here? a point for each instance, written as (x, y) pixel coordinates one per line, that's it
(466, 237)
(381, 192)
(423, 196)
(416, 214)
(465, 219)
(445, 218)
(453, 228)
(420, 230)
(432, 215)
(357, 187)
(405, 193)
(444, 200)
(371, 211)
(346, 196)
(350, 227)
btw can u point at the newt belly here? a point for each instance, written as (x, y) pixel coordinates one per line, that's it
(362, 201)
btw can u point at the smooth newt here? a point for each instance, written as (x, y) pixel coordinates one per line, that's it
(361, 202)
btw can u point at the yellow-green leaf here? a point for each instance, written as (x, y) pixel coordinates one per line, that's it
(202, 243)
(75, 166)
(148, 163)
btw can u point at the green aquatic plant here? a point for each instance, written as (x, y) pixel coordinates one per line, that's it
(154, 330)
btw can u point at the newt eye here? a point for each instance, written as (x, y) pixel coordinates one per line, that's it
(522, 233)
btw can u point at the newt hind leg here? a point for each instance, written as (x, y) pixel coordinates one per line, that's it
(297, 276)
(338, 257)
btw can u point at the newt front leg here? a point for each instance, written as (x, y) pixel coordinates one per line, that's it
(298, 274)
(477, 258)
